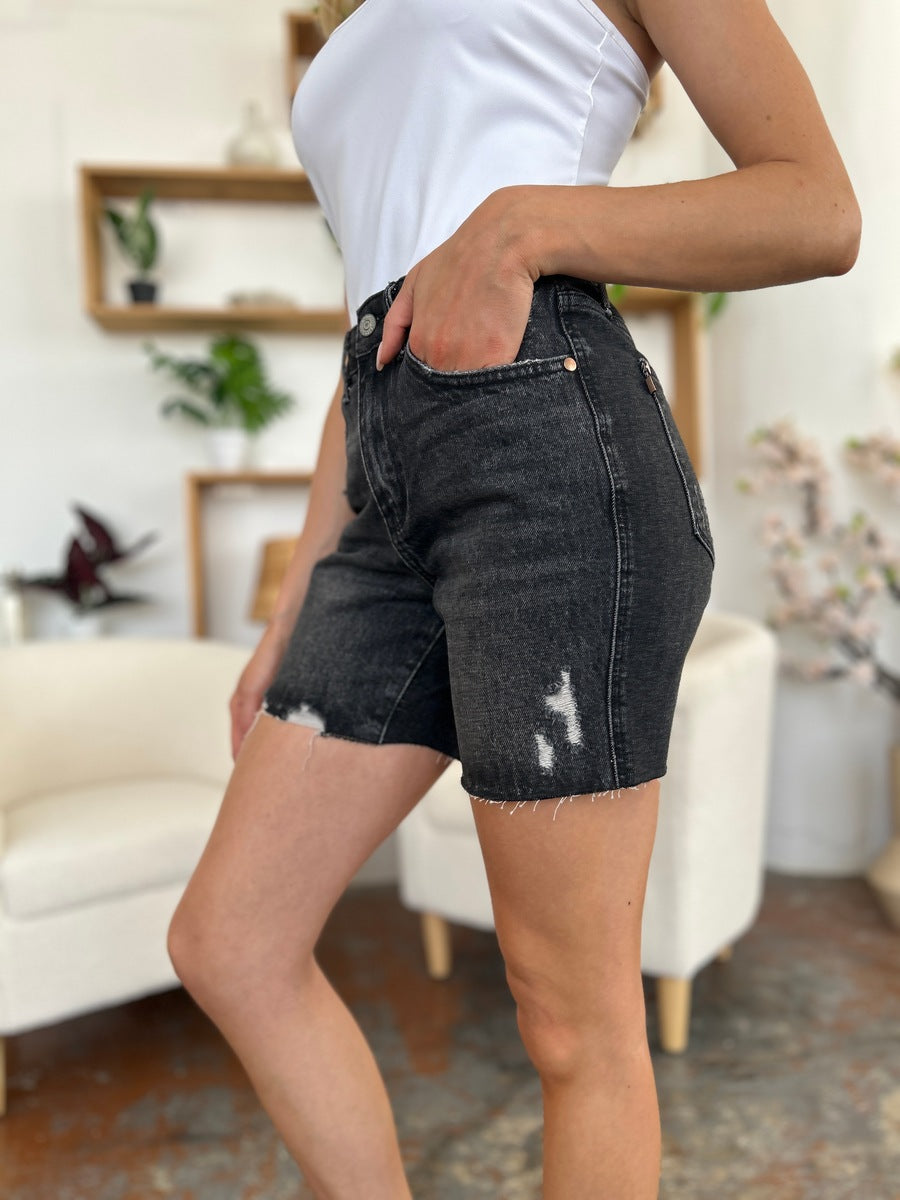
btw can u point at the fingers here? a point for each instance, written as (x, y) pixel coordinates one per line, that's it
(395, 327)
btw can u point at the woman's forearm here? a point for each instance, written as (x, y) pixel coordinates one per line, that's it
(326, 515)
(769, 223)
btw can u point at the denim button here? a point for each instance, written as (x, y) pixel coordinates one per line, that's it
(366, 323)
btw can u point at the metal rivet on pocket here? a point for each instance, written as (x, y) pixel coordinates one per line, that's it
(366, 324)
(570, 364)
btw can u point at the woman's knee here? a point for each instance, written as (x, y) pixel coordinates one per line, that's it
(193, 951)
(218, 960)
(568, 1028)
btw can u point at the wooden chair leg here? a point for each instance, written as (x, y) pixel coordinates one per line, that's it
(673, 1005)
(2, 1076)
(436, 940)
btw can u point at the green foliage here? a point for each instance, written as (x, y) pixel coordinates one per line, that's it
(136, 234)
(715, 302)
(230, 386)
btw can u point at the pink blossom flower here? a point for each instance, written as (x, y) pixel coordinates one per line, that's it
(863, 671)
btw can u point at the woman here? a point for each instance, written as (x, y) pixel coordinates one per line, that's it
(506, 554)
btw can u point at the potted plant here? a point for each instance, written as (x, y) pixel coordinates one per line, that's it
(80, 582)
(139, 241)
(859, 566)
(232, 398)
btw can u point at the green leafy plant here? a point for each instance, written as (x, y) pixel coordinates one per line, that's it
(714, 301)
(136, 233)
(230, 386)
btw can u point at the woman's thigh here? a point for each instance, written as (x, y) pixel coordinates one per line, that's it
(300, 814)
(567, 880)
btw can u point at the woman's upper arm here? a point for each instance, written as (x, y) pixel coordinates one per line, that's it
(747, 84)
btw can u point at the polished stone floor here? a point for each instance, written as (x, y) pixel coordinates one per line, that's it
(789, 1090)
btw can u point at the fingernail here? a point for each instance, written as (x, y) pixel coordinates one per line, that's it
(378, 363)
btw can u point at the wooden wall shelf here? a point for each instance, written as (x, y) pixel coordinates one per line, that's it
(141, 318)
(304, 40)
(265, 186)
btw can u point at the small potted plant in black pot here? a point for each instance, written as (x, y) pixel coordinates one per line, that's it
(139, 241)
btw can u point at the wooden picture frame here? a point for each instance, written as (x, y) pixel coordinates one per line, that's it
(684, 390)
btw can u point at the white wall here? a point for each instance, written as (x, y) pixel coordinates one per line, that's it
(818, 352)
(143, 82)
(163, 81)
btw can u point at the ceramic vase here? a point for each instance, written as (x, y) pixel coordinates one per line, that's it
(254, 145)
(90, 624)
(884, 873)
(228, 449)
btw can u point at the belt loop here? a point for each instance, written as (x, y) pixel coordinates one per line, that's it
(390, 292)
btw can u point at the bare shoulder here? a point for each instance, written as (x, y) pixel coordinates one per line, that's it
(743, 77)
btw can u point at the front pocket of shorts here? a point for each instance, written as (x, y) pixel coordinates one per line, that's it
(692, 491)
(520, 368)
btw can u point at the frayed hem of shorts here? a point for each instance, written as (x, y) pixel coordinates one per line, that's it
(303, 714)
(515, 804)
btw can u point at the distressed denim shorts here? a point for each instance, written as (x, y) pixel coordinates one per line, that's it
(528, 562)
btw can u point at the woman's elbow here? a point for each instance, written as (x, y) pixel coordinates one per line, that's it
(842, 249)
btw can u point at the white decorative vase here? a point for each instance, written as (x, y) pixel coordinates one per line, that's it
(883, 874)
(255, 144)
(12, 610)
(89, 624)
(228, 449)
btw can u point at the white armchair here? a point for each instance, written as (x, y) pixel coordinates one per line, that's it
(705, 881)
(114, 755)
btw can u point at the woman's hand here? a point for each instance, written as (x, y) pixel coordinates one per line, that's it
(466, 304)
(256, 676)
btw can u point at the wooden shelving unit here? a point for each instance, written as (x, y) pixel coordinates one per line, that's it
(264, 186)
(303, 41)
(196, 484)
(684, 311)
(155, 317)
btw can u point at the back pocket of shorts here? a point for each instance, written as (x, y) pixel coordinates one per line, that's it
(691, 484)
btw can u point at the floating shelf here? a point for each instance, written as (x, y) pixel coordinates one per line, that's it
(227, 184)
(139, 318)
(639, 299)
(304, 39)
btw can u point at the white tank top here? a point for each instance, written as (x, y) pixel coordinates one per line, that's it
(414, 111)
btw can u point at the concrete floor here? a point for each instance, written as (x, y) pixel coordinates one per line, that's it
(789, 1090)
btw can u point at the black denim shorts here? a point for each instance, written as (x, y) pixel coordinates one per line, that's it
(528, 562)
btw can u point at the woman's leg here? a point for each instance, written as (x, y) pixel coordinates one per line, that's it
(300, 815)
(567, 881)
